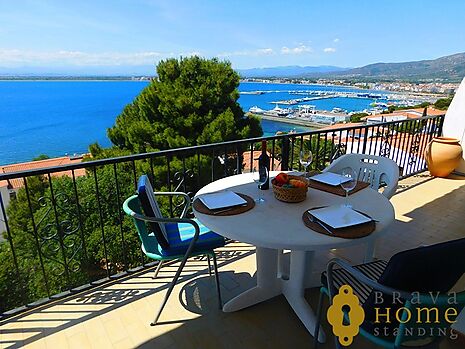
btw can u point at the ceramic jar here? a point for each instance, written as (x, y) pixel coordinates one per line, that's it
(443, 155)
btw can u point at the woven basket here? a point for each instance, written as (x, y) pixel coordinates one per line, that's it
(290, 194)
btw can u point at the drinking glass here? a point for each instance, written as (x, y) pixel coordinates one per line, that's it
(305, 159)
(348, 182)
(260, 176)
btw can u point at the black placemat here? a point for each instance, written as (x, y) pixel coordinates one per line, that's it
(352, 232)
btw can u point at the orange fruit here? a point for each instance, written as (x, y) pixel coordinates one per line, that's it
(282, 178)
(297, 183)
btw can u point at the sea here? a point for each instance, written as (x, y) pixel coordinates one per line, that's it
(59, 118)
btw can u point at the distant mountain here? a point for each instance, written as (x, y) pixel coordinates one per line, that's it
(80, 71)
(450, 68)
(288, 71)
(447, 68)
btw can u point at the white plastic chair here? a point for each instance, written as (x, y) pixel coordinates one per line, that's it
(379, 171)
(376, 170)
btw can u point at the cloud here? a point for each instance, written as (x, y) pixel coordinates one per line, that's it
(329, 50)
(336, 40)
(266, 51)
(299, 49)
(63, 57)
(258, 52)
(296, 50)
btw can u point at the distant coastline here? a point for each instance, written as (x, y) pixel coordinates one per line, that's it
(298, 82)
(75, 78)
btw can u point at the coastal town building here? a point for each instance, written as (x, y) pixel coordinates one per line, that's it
(9, 188)
(414, 113)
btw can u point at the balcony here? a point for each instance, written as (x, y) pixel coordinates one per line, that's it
(111, 303)
(117, 314)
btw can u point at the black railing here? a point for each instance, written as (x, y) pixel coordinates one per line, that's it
(64, 228)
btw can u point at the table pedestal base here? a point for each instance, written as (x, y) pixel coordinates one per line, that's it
(270, 284)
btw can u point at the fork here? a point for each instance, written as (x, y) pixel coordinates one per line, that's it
(314, 220)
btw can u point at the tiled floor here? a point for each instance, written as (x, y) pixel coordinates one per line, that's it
(118, 315)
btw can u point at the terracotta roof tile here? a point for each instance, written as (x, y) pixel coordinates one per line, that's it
(413, 113)
(337, 126)
(255, 154)
(33, 165)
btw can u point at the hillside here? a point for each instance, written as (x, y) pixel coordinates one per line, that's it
(447, 68)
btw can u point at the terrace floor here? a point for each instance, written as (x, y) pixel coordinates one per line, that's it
(117, 315)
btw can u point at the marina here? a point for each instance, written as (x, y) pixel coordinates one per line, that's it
(292, 121)
(318, 106)
(305, 115)
(378, 99)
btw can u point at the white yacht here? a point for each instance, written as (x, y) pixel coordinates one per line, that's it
(256, 110)
(306, 111)
(277, 111)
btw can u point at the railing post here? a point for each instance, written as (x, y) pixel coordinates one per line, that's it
(441, 124)
(285, 147)
(365, 139)
(238, 160)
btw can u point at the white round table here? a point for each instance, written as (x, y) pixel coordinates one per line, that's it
(273, 225)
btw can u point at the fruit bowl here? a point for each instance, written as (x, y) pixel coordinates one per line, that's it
(292, 190)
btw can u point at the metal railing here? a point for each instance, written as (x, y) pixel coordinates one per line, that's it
(65, 230)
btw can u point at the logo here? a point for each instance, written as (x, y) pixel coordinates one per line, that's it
(345, 315)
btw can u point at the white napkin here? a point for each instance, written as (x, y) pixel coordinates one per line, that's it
(221, 199)
(330, 178)
(339, 216)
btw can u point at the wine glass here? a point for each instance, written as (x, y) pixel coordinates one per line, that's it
(305, 159)
(260, 176)
(348, 182)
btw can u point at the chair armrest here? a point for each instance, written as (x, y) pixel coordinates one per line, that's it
(360, 277)
(187, 199)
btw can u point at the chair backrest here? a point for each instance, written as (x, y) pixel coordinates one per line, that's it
(428, 268)
(149, 205)
(376, 170)
(149, 241)
(435, 268)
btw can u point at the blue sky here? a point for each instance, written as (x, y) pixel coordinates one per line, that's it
(132, 35)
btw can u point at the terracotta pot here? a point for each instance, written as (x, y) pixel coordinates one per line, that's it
(443, 155)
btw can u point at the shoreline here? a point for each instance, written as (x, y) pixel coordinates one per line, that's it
(289, 121)
(303, 83)
(2, 79)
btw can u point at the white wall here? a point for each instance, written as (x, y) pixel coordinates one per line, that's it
(454, 122)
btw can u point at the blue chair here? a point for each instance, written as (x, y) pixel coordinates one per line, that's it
(166, 239)
(435, 268)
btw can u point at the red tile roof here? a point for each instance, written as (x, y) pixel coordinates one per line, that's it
(401, 141)
(336, 126)
(255, 154)
(33, 165)
(413, 113)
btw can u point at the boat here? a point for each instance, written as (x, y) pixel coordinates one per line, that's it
(306, 111)
(338, 110)
(252, 92)
(277, 111)
(256, 110)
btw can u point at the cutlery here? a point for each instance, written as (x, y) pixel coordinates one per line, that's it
(228, 209)
(316, 208)
(314, 220)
